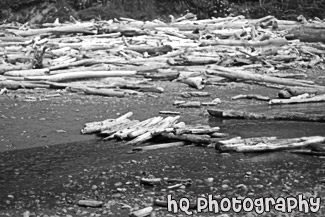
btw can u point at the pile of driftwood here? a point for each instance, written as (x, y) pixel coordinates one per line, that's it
(176, 134)
(197, 52)
(157, 129)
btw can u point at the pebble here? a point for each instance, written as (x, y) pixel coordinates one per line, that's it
(225, 186)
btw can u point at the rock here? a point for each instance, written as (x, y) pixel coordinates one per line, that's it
(142, 212)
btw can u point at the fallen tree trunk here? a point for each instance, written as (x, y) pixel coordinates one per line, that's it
(246, 75)
(82, 75)
(273, 144)
(288, 116)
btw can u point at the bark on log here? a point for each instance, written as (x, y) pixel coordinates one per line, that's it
(288, 116)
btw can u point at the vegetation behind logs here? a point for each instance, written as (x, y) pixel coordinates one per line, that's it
(47, 10)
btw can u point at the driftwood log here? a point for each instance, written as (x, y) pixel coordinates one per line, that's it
(287, 116)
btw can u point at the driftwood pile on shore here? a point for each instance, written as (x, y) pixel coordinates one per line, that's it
(177, 134)
(166, 129)
(196, 52)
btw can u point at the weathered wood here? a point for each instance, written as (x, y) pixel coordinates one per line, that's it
(234, 73)
(295, 100)
(66, 29)
(159, 146)
(251, 96)
(288, 116)
(195, 94)
(98, 126)
(14, 85)
(123, 134)
(197, 139)
(150, 49)
(160, 128)
(82, 75)
(296, 91)
(273, 144)
(271, 42)
(105, 92)
(30, 72)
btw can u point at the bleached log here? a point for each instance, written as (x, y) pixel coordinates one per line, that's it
(66, 29)
(82, 75)
(197, 139)
(251, 96)
(107, 92)
(5, 68)
(289, 116)
(295, 100)
(271, 42)
(281, 144)
(14, 85)
(196, 130)
(159, 146)
(234, 73)
(30, 72)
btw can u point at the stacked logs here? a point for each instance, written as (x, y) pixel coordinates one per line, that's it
(166, 129)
